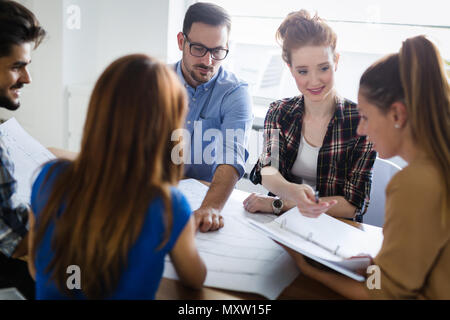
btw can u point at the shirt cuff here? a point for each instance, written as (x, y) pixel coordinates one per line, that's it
(240, 168)
(354, 196)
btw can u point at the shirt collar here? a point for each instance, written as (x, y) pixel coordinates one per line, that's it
(203, 86)
(340, 105)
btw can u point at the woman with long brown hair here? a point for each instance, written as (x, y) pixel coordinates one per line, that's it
(404, 101)
(113, 214)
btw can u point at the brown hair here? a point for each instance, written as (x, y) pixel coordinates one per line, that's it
(416, 77)
(99, 201)
(207, 13)
(18, 25)
(298, 29)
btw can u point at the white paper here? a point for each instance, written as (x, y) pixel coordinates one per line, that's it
(27, 155)
(237, 257)
(11, 294)
(297, 232)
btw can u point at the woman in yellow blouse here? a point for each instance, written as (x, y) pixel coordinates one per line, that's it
(405, 110)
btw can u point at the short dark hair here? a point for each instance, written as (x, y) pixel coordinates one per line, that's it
(207, 13)
(18, 25)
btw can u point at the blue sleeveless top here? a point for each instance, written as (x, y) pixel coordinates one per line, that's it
(143, 272)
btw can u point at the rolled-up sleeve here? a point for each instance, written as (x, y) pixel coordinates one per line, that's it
(236, 123)
(272, 146)
(357, 185)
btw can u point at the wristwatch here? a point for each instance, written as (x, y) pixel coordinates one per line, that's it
(277, 205)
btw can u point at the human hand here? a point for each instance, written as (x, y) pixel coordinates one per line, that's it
(208, 219)
(363, 271)
(258, 203)
(303, 195)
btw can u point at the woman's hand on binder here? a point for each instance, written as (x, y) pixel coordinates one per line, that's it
(303, 195)
(368, 257)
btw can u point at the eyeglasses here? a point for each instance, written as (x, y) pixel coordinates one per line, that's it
(198, 50)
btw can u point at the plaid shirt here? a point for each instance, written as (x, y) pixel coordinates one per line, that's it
(13, 219)
(345, 159)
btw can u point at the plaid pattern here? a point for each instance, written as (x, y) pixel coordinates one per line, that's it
(345, 159)
(13, 220)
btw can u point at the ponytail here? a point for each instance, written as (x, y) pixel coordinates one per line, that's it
(416, 77)
(428, 101)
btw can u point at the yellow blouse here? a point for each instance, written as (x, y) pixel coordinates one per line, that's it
(415, 256)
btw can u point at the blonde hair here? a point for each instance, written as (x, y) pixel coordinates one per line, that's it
(298, 29)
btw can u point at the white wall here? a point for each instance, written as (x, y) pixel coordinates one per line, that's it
(76, 57)
(42, 103)
(130, 27)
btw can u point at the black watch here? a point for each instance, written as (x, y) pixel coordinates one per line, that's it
(277, 205)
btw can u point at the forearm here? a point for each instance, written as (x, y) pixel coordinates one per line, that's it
(273, 181)
(64, 154)
(22, 249)
(222, 185)
(187, 262)
(343, 208)
(30, 235)
(345, 286)
(277, 184)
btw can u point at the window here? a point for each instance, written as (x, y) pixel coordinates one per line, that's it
(367, 30)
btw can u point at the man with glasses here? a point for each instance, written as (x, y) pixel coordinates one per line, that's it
(219, 117)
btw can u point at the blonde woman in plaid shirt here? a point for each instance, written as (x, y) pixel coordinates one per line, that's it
(404, 101)
(310, 141)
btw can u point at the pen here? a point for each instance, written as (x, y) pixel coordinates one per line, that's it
(317, 196)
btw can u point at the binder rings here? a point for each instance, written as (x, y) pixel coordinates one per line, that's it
(324, 239)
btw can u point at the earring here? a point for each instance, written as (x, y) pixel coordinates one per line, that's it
(396, 126)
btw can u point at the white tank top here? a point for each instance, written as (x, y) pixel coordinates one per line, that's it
(305, 166)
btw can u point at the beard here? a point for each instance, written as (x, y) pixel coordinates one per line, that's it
(7, 103)
(199, 78)
(192, 72)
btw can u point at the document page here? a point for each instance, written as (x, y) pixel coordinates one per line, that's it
(341, 238)
(324, 239)
(11, 294)
(238, 257)
(26, 153)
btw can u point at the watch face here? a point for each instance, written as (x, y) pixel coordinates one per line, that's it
(277, 203)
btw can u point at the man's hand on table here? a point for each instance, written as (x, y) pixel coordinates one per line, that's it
(208, 219)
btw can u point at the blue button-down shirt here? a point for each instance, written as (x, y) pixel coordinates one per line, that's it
(219, 121)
